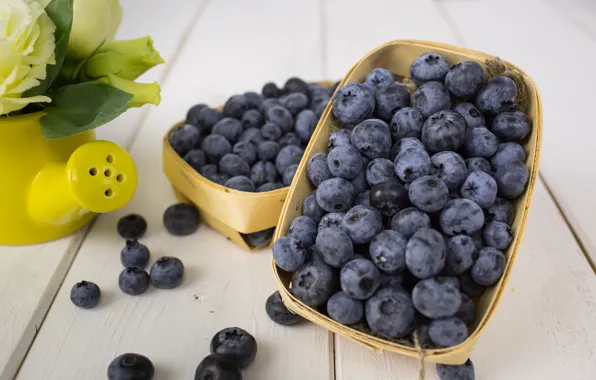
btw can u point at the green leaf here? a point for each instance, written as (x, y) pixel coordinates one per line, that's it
(81, 107)
(60, 11)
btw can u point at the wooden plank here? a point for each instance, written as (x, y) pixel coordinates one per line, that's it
(543, 328)
(233, 48)
(31, 275)
(559, 57)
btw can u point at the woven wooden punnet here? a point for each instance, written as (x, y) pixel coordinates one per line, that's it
(397, 56)
(227, 211)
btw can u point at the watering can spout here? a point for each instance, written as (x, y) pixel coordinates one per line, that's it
(98, 177)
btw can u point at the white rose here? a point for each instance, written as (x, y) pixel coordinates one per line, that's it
(26, 48)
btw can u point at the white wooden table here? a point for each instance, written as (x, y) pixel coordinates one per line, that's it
(545, 327)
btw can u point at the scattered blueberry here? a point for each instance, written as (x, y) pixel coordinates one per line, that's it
(134, 254)
(429, 193)
(246, 150)
(345, 161)
(450, 167)
(489, 266)
(240, 183)
(481, 188)
(133, 281)
(85, 294)
(506, 153)
(501, 211)
(338, 138)
(208, 117)
(253, 100)
(193, 114)
(236, 344)
(474, 118)
(131, 366)
(268, 150)
(280, 116)
(372, 138)
(512, 179)
(263, 172)
(335, 246)
(344, 309)
(431, 98)
(362, 223)
(131, 226)
(215, 147)
(288, 253)
(410, 220)
(271, 131)
(353, 103)
(217, 367)
(426, 253)
(498, 235)
(181, 219)
(233, 165)
(436, 298)
(306, 122)
(480, 143)
(497, 95)
(447, 332)
(388, 251)
(184, 138)
(278, 312)
(380, 170)
(270, 90)
(268, 104)
(296, 84)
(290, 138)
(461, 216)
(390, 312)
(461, 253)
(406, 122)
(477, 164)
(229, 128)
(511, 126)
(464, 79)
(456, 372)
(288, 156)
(389, 197)
(335, 194)
(235, 106)
(313, 284)
(167, 272)
(389, 100)
(260, 238)
(252, 135)
(295, 102)
(444, 130)
(412, 164)
(311, 207)
(429, 67)
(379, 79)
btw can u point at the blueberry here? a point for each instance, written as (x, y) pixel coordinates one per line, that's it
(353, 103)
(380, 170)
(468, 286)
(360, 183)
(388, 251)
(429, 193)
(315, 88)
(306, 122)
(303, 229)
(489, 266)
(405, 144)
(506, 153)
(269, 186)
(133, 281)
(181, 219)
(410, 220)
(253, 100)
(461, 216)
(318, 102)
(331, 219)
(392, 280)
(229, 128)
(344, 309)
(240, 183)
(345, 161)
(270, 90)
(280, 116)
(217, 367)
(429, 67)
(447, 332)
(331, 90)
(412, 164)
(311, 207)
(85, 294)
(426, 253)
(208, 170)
(359, 279)
(233, 165)
(389, 197)
(372, 138)
(436, 298)
(480, 142)
(220, 178)
(134, 254)
(456, 372)
(131, 226)
(390, 312)
(278, 312)
(362, 223)
(363, 198)
(379, 79)
(196, 159)
(498, 235)
(335, 246)
(466, 312)
(294, 85)
(263, 172)
(215, 147)
(235, 106)
(167, 272)
(313, 254)
(497, 95)
(512, 179)
(313, 284)
(477, 164)
(423, 336)
(246, 150)
(501, 211)
(294, 102)
(184, 138)
(289, 174)
(288, 253)
(208, 117)
(450, 167)
(236, 344)
(290, 138)
(252, 135)
(391, 99)
(338, 138)
(317, 169)
(431, 98)
(271, 131)
(461, 253)
(464, 79)
(268, 104)
(260, 238)
(335, 194)
(474, 118)
(131, 366)
(481, 188)
(268, 150)
(406, 122)
(193, 114)
(444, 130)
(288, 156)
(511, 125)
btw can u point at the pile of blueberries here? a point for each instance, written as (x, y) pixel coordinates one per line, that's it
(257, 140)
(412, 209)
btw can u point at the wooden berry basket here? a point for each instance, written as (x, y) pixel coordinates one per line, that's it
(397, 56)
(230, 212)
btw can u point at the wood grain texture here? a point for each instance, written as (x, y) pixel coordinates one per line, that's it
(224, 285)
(559, 57)
(31, 275)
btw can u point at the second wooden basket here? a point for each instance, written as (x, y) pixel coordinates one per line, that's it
(397, 56)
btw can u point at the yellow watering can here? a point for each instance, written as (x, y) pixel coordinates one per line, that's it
(51, 188)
